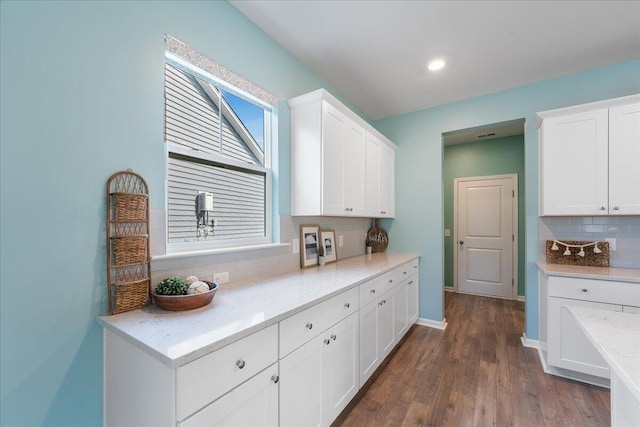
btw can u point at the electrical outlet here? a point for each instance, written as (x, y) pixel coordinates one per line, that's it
(447, 232)
(221, 278)
(296, 246)
(612, 244)
(340, 241)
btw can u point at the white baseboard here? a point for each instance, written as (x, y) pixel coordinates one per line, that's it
(521, 298)
(449, 289)
(432, 323)
(526, 342)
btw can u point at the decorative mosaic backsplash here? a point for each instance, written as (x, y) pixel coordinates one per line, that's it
(590, 258)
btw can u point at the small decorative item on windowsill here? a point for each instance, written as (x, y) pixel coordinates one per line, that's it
(367, 244)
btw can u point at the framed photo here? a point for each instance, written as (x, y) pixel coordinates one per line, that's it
(309, 243)
(328, 242)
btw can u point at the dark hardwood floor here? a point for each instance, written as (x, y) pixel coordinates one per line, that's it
(475, 373)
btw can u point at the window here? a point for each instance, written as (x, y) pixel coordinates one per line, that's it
(218, 147)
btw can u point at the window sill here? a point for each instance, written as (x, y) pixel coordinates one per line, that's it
(188, 254)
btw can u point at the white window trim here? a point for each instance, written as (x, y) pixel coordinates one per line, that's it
(195, 248)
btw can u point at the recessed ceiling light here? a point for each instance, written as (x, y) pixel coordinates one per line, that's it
(436, 64)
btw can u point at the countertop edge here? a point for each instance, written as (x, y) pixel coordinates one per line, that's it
(631, 275)
(216, 345)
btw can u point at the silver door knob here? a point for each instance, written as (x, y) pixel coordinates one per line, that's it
(240, 363)
(461, 242)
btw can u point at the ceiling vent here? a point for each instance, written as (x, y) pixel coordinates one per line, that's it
(486, 135)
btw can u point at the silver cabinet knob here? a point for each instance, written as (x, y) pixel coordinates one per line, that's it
(347, 305)
(309, 325)
(390, 281)
(240, 363)
(373, 291)
(616, 208)
(333, 337)
(602, 208)
(327, 341)
(380, 303)
(275, 379)
(584, 290)
(410, 282)
(404, 273)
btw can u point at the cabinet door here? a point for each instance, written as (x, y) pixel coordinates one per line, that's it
(301, 386)
(568, 346)
(340, 379)
(387, 181)
(413, 299)
(624, 160)
(334, 125)
(372, 176)
(401, 309)
(353, 169)
(369, 355)
(386, 331)
(574, 164)
(253, 403)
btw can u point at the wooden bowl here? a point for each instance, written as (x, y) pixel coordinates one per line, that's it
(185, 302)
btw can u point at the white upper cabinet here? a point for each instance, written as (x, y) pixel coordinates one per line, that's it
(590, 159)
(340, 165)
(624, 160)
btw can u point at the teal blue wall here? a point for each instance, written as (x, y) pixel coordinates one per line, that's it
(82, 97)
(419, 188)
(488, 157)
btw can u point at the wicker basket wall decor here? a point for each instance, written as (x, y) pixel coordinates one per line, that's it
(128, 256)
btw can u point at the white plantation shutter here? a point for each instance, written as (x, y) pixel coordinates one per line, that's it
(202, 138)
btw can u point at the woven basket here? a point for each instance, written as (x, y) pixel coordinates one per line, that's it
(129, 250)
(132, 295)
(130, 207)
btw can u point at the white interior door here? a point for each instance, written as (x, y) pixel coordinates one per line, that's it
(485, 235)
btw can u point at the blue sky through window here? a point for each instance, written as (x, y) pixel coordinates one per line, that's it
(251, 115)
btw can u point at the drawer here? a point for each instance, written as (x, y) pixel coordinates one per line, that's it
(605, 291)
(202, 381)
(376, 287)
(405, 271)
(302, 327)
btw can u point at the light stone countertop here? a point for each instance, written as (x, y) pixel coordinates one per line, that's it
(616, 335)
(597, 273)
(176, 338)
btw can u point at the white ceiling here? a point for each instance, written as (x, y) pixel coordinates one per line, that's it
(375, 52)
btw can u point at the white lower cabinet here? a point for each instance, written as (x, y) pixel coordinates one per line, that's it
(569, 348)
(254, 403)
(377, 334)
(568, 351)
(300, 372)
(320, 378)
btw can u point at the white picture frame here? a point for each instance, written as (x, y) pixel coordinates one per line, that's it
(328, 242)
(309, 244)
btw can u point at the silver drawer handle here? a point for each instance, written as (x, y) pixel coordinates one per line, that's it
(240, 363)
(584, 290)
(275, 379)
(309, 325)
(347, 305)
